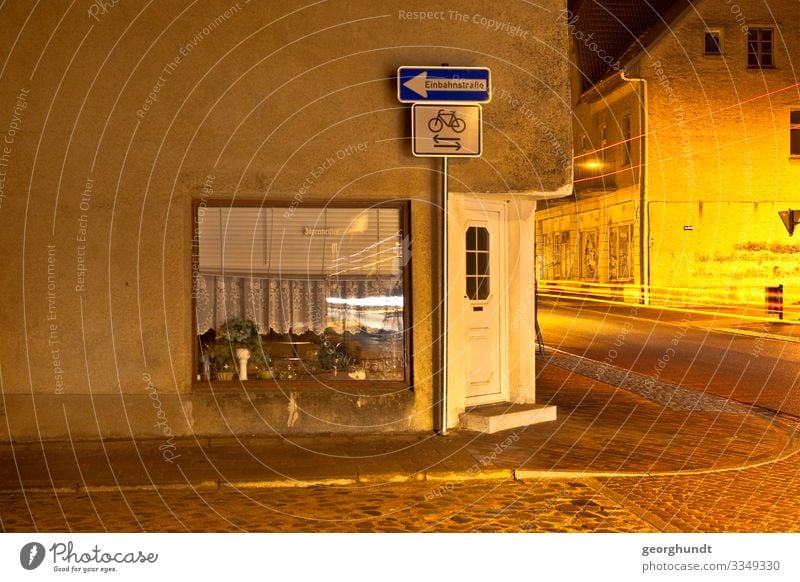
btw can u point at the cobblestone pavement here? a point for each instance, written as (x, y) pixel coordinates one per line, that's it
(666, 394)
(599, 427)
(760, 499)
(476, 506)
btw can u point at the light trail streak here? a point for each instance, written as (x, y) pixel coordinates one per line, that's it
(702, 301)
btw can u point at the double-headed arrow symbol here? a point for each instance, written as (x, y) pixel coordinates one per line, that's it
(437, 140)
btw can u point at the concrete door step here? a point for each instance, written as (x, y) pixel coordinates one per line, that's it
(493, 418)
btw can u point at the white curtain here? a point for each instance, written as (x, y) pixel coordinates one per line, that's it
(284, 304)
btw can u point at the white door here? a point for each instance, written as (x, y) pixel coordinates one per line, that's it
(483, 283)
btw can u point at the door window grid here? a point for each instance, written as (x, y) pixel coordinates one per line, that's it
(477, 263)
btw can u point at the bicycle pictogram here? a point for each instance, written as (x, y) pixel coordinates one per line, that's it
(447, 118)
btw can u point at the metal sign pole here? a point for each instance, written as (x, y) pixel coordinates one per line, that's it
(443, 319)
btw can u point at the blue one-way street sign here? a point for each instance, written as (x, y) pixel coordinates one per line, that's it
(443, 84)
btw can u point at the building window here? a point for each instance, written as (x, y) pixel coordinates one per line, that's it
(712, 44)
(620, 266)
(603, 144)
(589, 254)
(323, 286)
(477, 263)
(562, 256)
(626, 139)
(760, 48)
(794, 133)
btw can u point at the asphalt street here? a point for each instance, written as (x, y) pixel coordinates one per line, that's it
(748, 361)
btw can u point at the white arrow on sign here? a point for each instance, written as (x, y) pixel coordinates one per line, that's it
(419, 85)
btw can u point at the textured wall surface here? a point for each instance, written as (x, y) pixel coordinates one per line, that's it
(117, 117)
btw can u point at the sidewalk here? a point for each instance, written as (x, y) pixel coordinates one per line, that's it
(601, 430)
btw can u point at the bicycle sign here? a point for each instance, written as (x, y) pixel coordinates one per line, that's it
(447, 118)
(446, 130)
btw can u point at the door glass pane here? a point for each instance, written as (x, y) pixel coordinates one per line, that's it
(483, 264)
(471, 239)
(483, 239)
(483, 288)
(472, 288)
(477, 260)
(472, 266)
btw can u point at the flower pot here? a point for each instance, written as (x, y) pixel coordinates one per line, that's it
(224, 376)
(265, 375)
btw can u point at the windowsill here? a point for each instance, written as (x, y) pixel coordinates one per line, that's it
(348, 387)
(769, 68)
(794, 159)
(714, 55)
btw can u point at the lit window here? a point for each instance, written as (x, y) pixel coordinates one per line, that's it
(562, 256)
(589, 254)
(794, 132)
(712, 44)
(620, 252)
(323, 287)
(759, 48)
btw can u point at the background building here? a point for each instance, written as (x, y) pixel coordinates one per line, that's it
(168, 167)
(686, 150)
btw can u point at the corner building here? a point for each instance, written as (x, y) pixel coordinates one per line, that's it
(170, 168)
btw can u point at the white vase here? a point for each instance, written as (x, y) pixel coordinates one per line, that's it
(242, 355)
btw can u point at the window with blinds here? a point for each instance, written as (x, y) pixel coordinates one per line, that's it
(313, 242)
(324, 287)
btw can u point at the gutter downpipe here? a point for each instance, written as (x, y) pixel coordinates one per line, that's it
(644, 221)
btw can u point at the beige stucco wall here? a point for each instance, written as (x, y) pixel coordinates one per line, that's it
(121, 118)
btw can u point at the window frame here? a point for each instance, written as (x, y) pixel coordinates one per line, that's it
(483, 279)
(586, 236)
(794, 132)
(757, 62)
(712, 33)
(404, 208)
(614, 245)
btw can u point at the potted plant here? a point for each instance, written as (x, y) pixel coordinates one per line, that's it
(220, 360)
(262, 361)
(242, 337)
